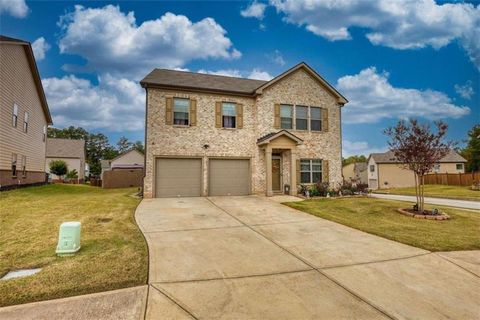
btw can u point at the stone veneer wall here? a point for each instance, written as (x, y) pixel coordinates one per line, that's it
(298, 88)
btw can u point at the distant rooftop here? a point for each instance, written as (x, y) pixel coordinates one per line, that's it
(65, 148)
(389, 157)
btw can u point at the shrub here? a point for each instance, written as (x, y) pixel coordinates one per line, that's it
(58, 167)
(322, 188)
(72, 174)
(362, 187)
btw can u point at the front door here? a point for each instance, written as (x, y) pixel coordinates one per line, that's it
(276, 174)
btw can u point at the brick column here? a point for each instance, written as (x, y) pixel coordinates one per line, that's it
(293, 172)
(268, 160)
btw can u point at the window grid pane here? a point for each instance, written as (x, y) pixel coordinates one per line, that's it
(229, 109)
(286, 111)
(315, 113)
(181, 109)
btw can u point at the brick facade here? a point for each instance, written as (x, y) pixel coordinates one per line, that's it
(298, 87)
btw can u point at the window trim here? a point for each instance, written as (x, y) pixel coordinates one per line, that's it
(292, 117)
(311, 118)
(311, 171)
(307, 118)
(44, 138)
(372, 168)
(235, 116)
(24, 166)
(173, 112)
(25, 122)
(459, 164)
(15, 115)
(14, 165)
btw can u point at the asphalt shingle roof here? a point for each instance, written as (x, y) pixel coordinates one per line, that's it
(388, 157)
(65, 148)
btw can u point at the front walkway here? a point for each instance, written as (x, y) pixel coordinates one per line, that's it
(253, 258)
(465, 204)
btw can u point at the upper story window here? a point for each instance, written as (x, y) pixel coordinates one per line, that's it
(372, 168)
(310, 170)
(459, 166)
(301, 118)
(181, 109)
(25, 122)
(14, 164)
(315, 119)
(436, 168)
(286, 116)
(44, 133)
(15, 115)
(229, 115)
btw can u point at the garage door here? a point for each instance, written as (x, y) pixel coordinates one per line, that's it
(229, 177)
(178, 178)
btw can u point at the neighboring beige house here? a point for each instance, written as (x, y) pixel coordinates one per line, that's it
(69, 150)
(355, 172)
(24, 116)
(132, 159)
(385, 171)
(217, 135)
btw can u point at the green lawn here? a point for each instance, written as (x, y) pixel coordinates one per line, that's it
(113, 254)
(438, 191)
(380, 217)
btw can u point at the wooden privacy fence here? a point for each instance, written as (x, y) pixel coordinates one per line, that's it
(453, 179)
(122, 178)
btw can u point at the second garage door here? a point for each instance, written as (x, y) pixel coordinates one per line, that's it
(229, 177)
(178, 178)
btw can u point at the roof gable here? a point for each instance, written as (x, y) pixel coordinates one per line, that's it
(275, 135)
(302, 65)
(125, 153)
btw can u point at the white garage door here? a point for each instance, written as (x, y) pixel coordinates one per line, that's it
(178, 178)
(229, 177)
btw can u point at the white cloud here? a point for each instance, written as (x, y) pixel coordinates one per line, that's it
(112, 42)
(466, 91)
(400, 24)
(351, 148)
(115, 104)
(254, 74)
(276, 57)
(40, 47)
(15, 8)
(372, 98)
(254, 10)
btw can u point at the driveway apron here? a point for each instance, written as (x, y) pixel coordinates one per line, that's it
(249, 257)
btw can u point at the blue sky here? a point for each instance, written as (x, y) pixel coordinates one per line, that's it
(391, 59)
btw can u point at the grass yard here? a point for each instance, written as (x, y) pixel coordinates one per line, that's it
(113, 254)
(438, 191)
(380, 217)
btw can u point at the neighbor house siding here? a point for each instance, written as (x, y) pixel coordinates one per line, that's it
(72, 163)
(129, 158)
(301, 89)
(17, 86)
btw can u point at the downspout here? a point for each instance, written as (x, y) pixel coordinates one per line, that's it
(145, 138)
(341, 138)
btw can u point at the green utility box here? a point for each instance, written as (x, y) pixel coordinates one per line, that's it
(69, 238)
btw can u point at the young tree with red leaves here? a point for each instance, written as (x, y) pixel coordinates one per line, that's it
(418, 149)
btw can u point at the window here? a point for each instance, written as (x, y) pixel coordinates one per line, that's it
(315, 119)
(436, 168)
(24, 166)
(310, 171)
(44, 133)
(25, 122)
(15, 115)
(301, 118)
(286, 116)
(229, 115)
(372, 168)
(181, 108)
(459, 166)
(14, 164)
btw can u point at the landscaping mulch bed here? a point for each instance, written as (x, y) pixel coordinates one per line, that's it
(428, 214)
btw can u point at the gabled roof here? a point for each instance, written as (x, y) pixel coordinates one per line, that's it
(174, 79)
(389, 157)
(33, 68)
(125, 153)
(65, 148)
(302, 65)
(274, 135)
(200, 82)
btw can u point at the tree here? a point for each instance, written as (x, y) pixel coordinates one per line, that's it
(418, 149)
(472, 150)
(138, 145)
(353, 159)
(123, 145)
(58, 167)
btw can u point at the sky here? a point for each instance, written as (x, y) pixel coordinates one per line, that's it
(391, 59)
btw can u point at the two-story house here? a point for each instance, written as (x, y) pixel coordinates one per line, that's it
(212, 135)
(24, 116)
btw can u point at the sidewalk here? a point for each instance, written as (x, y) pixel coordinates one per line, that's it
(473, 205)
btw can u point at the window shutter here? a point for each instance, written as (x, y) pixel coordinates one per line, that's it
(168, 111)
(325, 171)
(324, 120)
(239, 110)
(193, 112)
(299, 181)
(218, 114)
(276, 122)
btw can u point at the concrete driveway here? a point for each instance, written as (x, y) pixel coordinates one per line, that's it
(253, 258)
